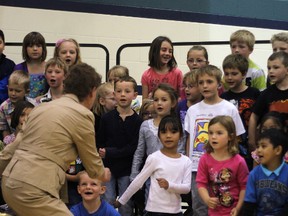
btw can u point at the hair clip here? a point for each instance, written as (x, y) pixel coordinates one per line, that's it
(59, 42)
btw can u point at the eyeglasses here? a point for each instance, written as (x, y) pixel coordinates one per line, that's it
(189, 86)
(197, 61)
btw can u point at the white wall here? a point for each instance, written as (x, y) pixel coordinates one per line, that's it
(113, 31)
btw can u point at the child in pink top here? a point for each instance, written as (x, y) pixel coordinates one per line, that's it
(163, 67)
(222, 172)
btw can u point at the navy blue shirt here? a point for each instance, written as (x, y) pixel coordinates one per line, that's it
(120, 139)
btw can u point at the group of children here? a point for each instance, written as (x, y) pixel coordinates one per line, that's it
(209, 117)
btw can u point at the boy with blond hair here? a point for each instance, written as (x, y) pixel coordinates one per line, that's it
(242, 42)
(280, 42)
(91, 191)
(18, 88)
(196, 124)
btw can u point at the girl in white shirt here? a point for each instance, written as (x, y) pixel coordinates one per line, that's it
(169, 171)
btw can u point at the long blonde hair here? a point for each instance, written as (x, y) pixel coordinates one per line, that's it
(102, 91)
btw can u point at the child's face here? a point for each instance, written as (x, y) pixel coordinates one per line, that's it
(196, 59)
(112, 79)
(241, 48)
(149, 112)
(23, 117)
(278, 46)
(68, 52)
(208, 86)
(162, 103)
(16, 92)
(192, 92)
(169, 138)
(218, 137)
(54, 76)
(234, 78)
(267, 153)
(108, 102)
(277, 71)
(90, 189)
(35, 51)
(2, 46)
(124, 93)
(166, 52)
(268, 124)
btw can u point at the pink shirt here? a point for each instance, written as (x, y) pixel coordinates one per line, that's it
(223, 179)
(152, 79)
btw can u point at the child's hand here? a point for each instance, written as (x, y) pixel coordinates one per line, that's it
(234, 212)
(117, 204)
(163, 183)
(102, 152)
(212, 202)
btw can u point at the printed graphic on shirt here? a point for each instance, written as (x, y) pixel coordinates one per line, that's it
(272, 194)
(75, 167)
(220, 186)
(279, 106)
(201, 137)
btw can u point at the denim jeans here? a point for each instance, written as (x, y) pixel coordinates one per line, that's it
(110, 195)
(199, 207)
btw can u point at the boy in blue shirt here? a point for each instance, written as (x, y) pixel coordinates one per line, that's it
(267, 186)
(90, 191)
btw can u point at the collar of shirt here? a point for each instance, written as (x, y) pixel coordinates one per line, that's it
(269, 172)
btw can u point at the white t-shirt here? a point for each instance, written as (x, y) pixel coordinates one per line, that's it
(196, 124)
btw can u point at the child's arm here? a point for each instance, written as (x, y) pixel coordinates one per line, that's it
(138, 182)
(139, 154)
(184, 186)
(252, 131)
(235, 211)
(144, 92)
(211, 202)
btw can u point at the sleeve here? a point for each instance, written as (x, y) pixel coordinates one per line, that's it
(185, 186)
(242, 174)
(250, 194)
(84, 138)
(238, 122)
(258, 79)
(187, 120)
(3, 120)
(140, 179)
(139, 153)
(8, 152)
(202, 172)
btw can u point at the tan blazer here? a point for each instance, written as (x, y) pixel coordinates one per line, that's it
(63, 129)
